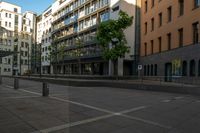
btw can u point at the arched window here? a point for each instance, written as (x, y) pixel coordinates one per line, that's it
(155, 70)
(148, 70)
(145, 70)
(192, 68)
(151, 70)
(184, 68)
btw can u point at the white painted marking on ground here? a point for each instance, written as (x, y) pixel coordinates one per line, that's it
(36, 93)
(8, 86)
(111, 114)
(56, 128)
(146, 121)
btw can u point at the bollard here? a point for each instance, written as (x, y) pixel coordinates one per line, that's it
(0, 80)
(45, 89)
(16, 83)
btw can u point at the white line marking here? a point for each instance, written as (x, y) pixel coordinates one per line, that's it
(8, 86)
(146, 121)
(31, 92)
(56, 128)
(111, 114)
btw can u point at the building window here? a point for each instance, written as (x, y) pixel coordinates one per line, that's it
(181, 7)
(15, 9)
(196, 3)
(152, 24)
(169, 36)
(146, 6)
(152, 3)
(169, 11)
(145, 25)
(6, 14)
(152, 47)
(195, 33)
(184, 68)
(160, 44)
(192, 68)
(145, 70)
(180, 34)
(155, 70)
(145, 49)
(151, 70)
(160, 19)
(148, 70)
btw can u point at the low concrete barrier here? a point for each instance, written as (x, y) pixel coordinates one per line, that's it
(123, 84)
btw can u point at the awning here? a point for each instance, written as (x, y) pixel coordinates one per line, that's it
(5, 53)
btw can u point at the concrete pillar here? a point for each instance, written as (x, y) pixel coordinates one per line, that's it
(120, 69)
(45, 89)
(51, 69)
(16, 83)
(110, 68)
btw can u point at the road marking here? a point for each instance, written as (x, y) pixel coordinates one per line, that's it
(30, 92)
(8, 86)
(56, 128)
(111, 114)
(146, 121)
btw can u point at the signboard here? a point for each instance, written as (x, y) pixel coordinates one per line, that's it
(139, 67)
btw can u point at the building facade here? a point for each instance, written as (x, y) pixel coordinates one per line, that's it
(170, 38)
(44, 39)
(74, 41)
(17, 35)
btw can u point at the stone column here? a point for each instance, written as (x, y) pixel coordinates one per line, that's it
(110, 68)
(120, 68)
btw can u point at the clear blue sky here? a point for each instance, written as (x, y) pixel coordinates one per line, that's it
(37, 6)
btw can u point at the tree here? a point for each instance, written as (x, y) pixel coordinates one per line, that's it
(111, 37)
(111, 32)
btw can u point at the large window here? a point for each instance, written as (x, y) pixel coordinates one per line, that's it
(195, 33)
(152, 24)
(169, 40)
(181, 7)
(104, 16)
(192, 68)
(160, 44)
(146, 6)
(196, 3)
(145, 49)
(184, 68)
(160, 19)
(169, 11)
(180, 34)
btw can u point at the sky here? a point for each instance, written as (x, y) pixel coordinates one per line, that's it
(37, 6)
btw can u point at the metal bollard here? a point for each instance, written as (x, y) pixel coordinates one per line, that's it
(45, 89)
(16, 83)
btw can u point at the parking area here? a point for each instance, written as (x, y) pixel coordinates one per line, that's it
(94, 110)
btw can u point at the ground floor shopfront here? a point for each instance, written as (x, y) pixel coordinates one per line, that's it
(181, 63)
(95, 66)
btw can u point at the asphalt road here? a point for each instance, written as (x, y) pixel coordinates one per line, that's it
(95, 110)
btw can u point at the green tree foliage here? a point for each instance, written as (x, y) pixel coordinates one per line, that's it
(112, 32)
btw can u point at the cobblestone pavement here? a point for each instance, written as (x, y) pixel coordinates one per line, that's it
(95, 110)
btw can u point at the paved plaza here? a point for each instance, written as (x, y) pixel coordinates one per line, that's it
(95, 110)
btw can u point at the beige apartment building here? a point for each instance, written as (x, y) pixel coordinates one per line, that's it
(170, 38)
